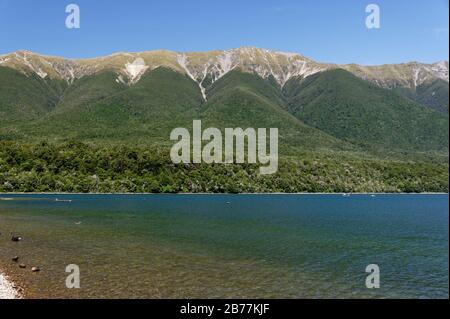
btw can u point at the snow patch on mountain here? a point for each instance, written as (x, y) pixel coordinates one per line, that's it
(135, 70)
(226, 62)
(121, 80)
(26, 61)
(184, 63)
(416, 73)
(426, 73)
(440, 70)
(41, 73)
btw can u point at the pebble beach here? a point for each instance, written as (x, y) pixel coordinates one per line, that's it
(7, 290)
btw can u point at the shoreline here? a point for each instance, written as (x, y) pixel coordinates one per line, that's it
(234, 194)
(8, 290)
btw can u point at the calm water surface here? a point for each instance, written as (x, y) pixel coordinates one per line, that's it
(222, 246)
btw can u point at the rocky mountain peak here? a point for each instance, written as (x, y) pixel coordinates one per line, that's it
(207, 67)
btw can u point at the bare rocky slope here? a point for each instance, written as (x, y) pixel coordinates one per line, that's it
(206, 68)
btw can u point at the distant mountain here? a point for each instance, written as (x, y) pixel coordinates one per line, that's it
(424, 83)
(207, 67)
(145, 95)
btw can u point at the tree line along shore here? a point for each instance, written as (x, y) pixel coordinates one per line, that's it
(76, 167)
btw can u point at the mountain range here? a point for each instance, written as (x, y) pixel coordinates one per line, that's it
(143, 96)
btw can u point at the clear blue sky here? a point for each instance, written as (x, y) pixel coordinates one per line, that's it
(325, 30)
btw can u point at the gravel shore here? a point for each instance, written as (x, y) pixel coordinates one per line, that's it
(7, 290)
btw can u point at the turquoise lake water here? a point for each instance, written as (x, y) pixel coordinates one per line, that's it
(228, 246)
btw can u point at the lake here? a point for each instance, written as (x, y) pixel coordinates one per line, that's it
(228, 246)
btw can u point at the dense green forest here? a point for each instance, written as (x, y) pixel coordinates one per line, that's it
(85, 167)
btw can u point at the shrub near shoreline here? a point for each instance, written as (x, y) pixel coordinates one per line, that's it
(76, 167)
